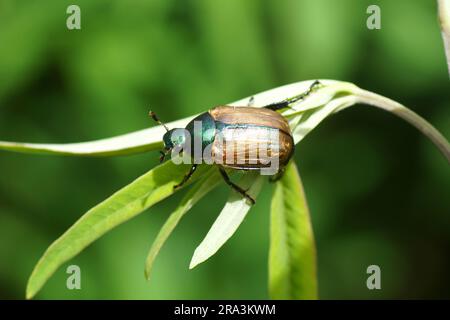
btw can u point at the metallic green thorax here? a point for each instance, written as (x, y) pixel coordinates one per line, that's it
(205, 130)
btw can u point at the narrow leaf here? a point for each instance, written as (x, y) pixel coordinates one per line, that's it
(197, 192)
(302, 120)
(304, 116)
(228, 220)
(130, 143)
(426, 128)
(151, 139)
(310, 119)
(292, 253)
(147, 190)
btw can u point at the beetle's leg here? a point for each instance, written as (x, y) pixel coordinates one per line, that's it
(187, 176)
(251, 101)
(278, 105)
(286, 103)
(277, 176)
(235, 186)
(163, 155)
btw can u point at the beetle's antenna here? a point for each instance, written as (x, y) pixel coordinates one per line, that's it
(154, 117)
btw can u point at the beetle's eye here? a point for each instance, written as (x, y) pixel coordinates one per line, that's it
(174, 137)
(178, 136)
(167, 139)
(180, 139)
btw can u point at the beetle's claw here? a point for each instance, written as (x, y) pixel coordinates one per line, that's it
(275, 178)
(244, 193)
(161, 158)
(252, 201)
(316, 85)
(248, 197)
(251, 102)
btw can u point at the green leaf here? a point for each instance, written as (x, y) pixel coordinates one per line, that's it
(378, 101)
(304, 116)
(307, 120)
(228, 220)
(128, 202)
(130, 143)
(196, 193)
(151, 139)
(292, 253)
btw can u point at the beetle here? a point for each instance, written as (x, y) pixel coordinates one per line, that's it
(239, 126)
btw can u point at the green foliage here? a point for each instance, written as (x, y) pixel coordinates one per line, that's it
(134, 142)
(126, 203)
(292, 253)
(292, 257)
(197, 192)
(369, 178)
(228, 220)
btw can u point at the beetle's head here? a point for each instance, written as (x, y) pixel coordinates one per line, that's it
(174, 138)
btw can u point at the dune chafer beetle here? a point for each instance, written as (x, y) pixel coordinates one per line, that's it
(250, 130)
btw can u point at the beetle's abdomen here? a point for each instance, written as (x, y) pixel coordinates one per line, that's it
(251, 138)
(251, 147)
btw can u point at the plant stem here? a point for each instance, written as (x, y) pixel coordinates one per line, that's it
(370, 98)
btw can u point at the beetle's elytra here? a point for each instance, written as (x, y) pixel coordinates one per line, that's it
(254, 133)
(249, 130)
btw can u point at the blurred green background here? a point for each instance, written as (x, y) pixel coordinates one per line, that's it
(377, 189)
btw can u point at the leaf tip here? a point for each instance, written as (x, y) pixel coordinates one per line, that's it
(148, 271)
(146, 275)
(192, 265)
(30, 292)
(195, 261)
